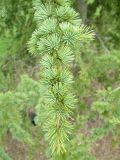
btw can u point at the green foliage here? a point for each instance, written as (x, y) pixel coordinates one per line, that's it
(58, 42)
(31, 89)
(13, 15)
(101, 14)
(4, 45)
(16, 26)
(13, 107)
(90, 1)
(107, 105)
(3, 155)
(56, 37)
(99, 70)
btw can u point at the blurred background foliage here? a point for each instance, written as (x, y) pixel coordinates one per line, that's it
(96, 71)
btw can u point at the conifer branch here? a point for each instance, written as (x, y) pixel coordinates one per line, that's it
(57, 35)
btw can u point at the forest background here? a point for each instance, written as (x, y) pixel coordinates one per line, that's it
(96, 71)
